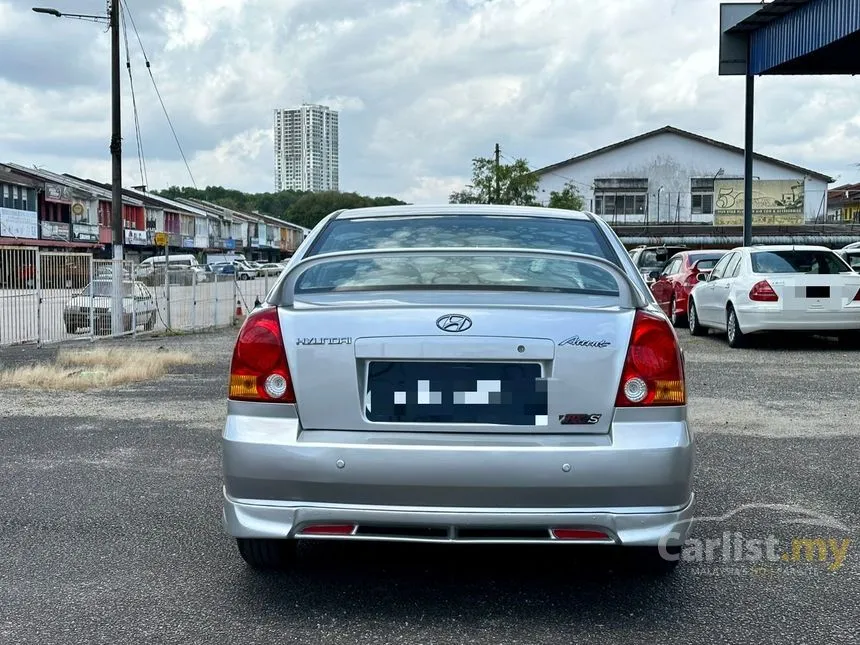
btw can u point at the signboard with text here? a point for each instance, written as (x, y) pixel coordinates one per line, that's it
(58, 231)
(58, 193)
(85, 232)
(135, 237)
(775, 202)
(18, 223)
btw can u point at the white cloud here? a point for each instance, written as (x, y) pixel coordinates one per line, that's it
(422, 87)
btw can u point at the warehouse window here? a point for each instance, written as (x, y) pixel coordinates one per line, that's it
(702, 196)
(620, 197)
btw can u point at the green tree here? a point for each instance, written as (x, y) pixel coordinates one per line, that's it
(516, 183)
(303, 208)
(310, 208)
(568, 197)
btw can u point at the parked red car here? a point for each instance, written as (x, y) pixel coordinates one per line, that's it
(679, 277)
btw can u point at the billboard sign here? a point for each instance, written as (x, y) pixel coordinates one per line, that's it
(18, 223)
(135, 237)
(775, 202)
(58, 193)
(85, 232)
(58, 231)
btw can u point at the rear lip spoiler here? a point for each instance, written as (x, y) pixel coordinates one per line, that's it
(282, 292)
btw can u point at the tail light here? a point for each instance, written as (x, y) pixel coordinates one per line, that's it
(857, 296)
(653, 370)
(693, 278)
(762, 292)
(259, 370)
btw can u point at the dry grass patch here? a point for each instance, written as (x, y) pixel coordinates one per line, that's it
(78, 370)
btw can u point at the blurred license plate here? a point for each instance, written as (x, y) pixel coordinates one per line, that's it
(443, 392)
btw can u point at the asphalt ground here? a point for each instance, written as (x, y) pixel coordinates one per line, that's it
(110, 526)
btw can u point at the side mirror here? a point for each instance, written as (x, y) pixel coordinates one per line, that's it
(702, 277)
(654, 275)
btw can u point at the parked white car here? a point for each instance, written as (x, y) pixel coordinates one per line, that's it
(244, 271)
(94, 304)
(777, 288)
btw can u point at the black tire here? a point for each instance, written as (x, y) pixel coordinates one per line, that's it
(693, 320)
(676, 318)
(272, 555)
(734, 335)
(150, 323)
(71, 328)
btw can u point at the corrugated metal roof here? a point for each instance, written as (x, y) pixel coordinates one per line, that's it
(806, 28)
(737, 240)
(768, 13)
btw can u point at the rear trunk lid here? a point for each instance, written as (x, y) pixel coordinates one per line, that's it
(815, 293)
(396, 368)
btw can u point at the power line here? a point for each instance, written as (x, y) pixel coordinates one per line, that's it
(140, 156)
(556, 174)
(158, 93)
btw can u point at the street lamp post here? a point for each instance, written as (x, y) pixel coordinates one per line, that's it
(112, 19)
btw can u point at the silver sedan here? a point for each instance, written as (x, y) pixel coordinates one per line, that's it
(458, 374)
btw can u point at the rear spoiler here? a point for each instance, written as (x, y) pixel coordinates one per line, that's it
(282, 293)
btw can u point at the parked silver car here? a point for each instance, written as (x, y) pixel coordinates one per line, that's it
(458, 374)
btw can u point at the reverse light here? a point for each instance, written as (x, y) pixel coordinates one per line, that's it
(259, 370)
(653, 371)
(762, 292)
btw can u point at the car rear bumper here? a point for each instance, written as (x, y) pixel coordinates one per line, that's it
(756, 320)
(627, 527)
(635, 484)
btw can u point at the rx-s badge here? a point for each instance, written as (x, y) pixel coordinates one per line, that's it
(579, 419)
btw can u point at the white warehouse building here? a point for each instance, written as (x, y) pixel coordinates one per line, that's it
(671, 176)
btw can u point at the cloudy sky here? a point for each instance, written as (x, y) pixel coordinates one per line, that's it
(422, 86)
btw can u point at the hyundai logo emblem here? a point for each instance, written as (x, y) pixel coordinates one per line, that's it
(453, 322)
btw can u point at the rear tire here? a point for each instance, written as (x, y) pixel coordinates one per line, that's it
(734, 334)
(267, 555)
(693, 320)
(676, 318)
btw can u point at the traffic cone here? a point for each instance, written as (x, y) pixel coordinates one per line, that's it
(238, 317)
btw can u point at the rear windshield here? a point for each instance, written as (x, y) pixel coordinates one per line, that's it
(656, 258)
(578, 236)
(854, 260)
(438, 271)
(706, 261)
(814, 262)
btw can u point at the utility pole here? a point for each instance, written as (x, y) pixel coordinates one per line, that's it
(112, 19)
(116, 157)
(498, 196)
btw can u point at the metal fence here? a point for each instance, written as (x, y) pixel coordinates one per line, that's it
(50, 297)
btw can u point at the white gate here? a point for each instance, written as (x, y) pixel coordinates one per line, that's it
(19, 299)
(61, 280)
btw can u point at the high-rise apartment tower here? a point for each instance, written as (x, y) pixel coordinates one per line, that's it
(306, 148)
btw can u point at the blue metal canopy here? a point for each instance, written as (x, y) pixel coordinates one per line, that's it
(784, 37)
(809, 37)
